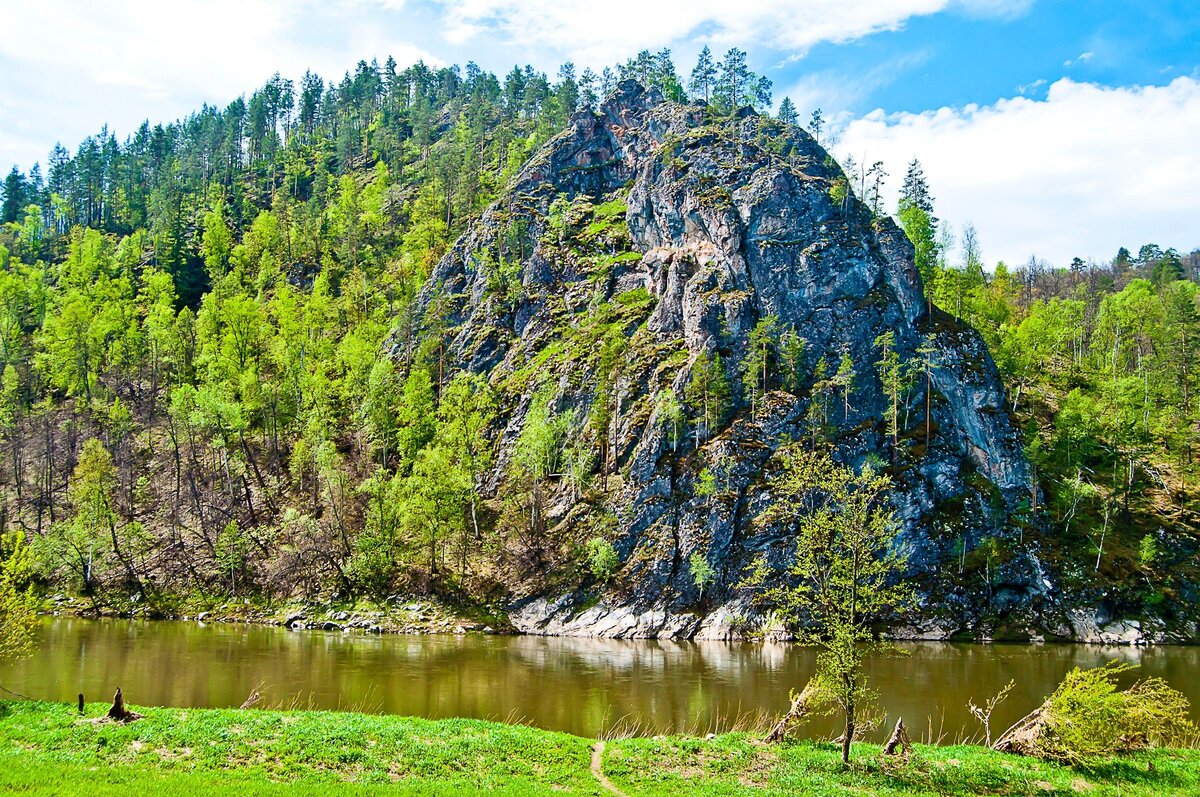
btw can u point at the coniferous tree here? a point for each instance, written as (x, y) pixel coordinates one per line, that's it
(704, 76)
(787, 112)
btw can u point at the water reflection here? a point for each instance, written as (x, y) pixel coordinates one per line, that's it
(578, 685)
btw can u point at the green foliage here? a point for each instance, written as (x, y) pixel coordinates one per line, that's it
(671, 415)
(761, 360)
(1147, 552)
(707, 393)
(791, 361)
(375, 561)
(18, 615)
(1088, 716)
(232, 549)
(919, 226)
(847, 573)
(602, 559)
(894, 378)
(703, 574)
(839, 193)
(503, 282)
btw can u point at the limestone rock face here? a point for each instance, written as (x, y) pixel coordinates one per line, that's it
(734, 221)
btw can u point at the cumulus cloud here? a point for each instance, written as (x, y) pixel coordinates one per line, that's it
(1082, 172)
(82, 64)
(601, 33)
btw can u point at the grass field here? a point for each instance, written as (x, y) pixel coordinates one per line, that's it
(47, 748)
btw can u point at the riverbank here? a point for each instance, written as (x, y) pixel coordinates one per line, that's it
(399, 614)
(396, 615)
(47, 748)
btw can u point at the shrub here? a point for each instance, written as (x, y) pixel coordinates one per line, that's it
(1088, 716)
(602, 558)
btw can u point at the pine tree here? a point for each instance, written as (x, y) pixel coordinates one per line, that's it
(787, 112)
(915, 190)
(759, 360)
(708, 393)
(703, 76)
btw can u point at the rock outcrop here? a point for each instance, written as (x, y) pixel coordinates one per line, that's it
(725, 223)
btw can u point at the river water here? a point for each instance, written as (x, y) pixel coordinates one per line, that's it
(582, 686)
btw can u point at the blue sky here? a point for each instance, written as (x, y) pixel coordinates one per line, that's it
(1056, 128)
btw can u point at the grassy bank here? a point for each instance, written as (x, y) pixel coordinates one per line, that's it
(46, 748)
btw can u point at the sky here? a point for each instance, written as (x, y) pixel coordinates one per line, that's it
(1057, 129)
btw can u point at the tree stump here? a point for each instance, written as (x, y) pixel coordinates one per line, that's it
(118, 712)
(898, 743)
(1023, 737)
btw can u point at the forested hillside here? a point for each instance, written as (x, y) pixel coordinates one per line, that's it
(225, 360)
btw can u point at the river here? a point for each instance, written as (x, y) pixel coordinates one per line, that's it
(582, 686)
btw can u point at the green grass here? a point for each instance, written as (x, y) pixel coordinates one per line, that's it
(45, 748)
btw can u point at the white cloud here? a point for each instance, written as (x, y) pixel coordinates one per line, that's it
(1080, 173)
(834, 92)
(81, 64)
(600, 33)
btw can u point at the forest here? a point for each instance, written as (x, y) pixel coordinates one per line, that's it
(215, 379)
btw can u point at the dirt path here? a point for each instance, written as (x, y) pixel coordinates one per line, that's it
(597, 758)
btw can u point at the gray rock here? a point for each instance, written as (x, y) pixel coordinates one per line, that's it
(731, 232)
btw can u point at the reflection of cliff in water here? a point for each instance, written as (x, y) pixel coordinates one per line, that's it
(573, 684)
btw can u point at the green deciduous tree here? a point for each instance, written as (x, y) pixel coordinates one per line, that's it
(702, 572)
(847, 574)
(18, 615)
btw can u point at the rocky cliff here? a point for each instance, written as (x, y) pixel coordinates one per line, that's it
(656, 237)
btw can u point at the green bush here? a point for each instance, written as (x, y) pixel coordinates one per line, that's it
(1088, 716)
(602, 558)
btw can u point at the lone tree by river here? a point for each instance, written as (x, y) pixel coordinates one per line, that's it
(847, 572)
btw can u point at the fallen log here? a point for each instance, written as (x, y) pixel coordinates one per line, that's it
(798, 710)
